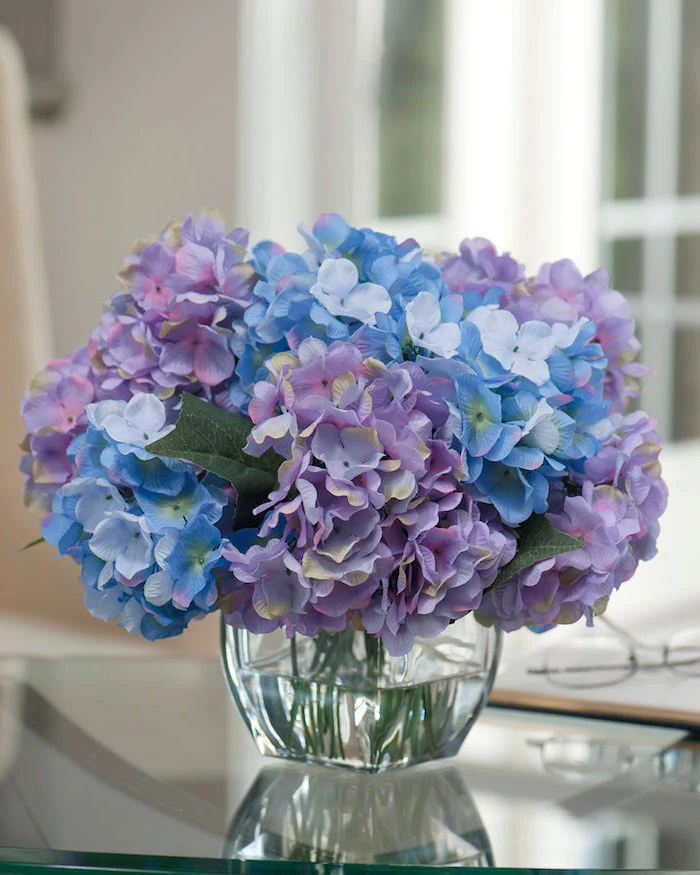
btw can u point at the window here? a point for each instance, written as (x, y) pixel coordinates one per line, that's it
(650, 213)
(400, 136)
(440, 119)
(411, 108)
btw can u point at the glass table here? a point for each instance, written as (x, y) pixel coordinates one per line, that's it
(134, 765)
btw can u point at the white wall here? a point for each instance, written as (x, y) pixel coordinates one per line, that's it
(148, 134)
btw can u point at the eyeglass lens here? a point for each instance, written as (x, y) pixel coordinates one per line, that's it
(683, 653)
(593, 662)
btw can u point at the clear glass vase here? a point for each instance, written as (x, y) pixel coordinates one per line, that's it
(340, 699)
(422, 817)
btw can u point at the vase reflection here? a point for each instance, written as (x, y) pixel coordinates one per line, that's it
(421, 817)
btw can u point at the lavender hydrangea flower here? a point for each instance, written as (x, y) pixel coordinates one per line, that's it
(367, 489)
(479, 268)
(59, 405)
(153, 277)
(266, 584)
(616, 514)
(54, 411)
(424, 407)
(559, 293)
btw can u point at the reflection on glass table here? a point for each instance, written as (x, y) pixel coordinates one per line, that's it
(412, 818)
(100, 759)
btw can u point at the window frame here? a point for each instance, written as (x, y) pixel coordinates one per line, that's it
(661, 214)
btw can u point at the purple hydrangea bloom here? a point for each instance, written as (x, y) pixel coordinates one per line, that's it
(265, 585)
(424, 408)
(560, 294)
(630, 463)
(616, 514)
(383, 528)
(153, 278)
(479, 268)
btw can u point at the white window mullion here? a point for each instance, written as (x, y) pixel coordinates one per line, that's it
(661, 172)
(522, 156)
(609, 105)
(275, 164)
(482, 178)
(560, 140)
(663, 98)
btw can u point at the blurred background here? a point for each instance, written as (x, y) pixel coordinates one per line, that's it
(556, 129)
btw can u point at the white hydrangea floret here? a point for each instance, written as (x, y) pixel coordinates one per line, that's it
(426, 328)
(338, 289)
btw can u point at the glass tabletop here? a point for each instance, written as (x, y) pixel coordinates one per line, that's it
(144, 765)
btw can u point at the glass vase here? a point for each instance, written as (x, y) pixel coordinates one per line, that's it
(421, 817)
(340, 699)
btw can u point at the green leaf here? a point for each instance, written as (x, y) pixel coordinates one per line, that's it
(214, 439)
(537, 540)
(32, 544)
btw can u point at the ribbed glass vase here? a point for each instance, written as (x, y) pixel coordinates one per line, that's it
(340, 699)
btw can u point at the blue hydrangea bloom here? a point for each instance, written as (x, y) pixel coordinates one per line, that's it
(189, 557)
(515, 493)
(139, 526)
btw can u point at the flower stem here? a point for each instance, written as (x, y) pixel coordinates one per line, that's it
(375, 659)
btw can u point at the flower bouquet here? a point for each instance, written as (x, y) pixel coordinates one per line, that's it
(360, 439)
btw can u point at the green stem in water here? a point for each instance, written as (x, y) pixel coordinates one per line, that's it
(293, 653)
(375, 659)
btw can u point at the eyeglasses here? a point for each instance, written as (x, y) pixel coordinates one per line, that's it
(603, 661)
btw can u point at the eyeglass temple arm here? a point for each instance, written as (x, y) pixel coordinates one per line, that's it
(633, 665)
(623, 633)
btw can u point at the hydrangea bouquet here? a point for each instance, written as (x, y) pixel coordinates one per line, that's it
(357, 434)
